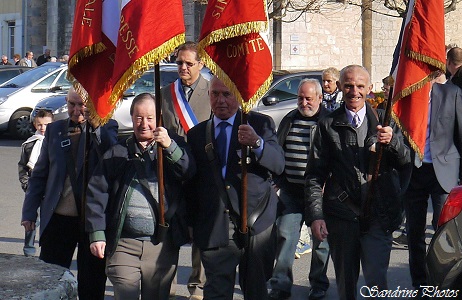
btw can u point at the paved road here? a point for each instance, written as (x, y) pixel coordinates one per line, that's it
(11, 235)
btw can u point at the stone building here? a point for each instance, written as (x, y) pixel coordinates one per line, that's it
(332, 36)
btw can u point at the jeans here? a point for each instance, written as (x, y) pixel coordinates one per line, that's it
(319, 262)
(29, 240)
(288, 233)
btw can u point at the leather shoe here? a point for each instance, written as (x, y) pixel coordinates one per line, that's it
(316, 293)
(278, 295)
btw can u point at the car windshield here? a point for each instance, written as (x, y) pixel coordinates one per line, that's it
(145, 84)
(30, 77)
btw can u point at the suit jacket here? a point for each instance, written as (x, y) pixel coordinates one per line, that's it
(22, 62)
(47, 180)
(446, 133)
(210, 216)
(199, 103)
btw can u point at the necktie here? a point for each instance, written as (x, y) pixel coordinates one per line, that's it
(188, 92)
(356, 120)
(222, 141)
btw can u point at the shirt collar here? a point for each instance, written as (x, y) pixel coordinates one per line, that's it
(217, 120)
(361, 114)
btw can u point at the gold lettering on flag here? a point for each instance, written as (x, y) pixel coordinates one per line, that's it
(86, 19)
(243, 49)
(219, 8)
(127, 37)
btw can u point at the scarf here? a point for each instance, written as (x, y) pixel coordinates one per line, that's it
(38, 138)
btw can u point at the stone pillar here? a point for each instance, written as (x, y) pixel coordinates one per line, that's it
(366, 18)
(52, 26)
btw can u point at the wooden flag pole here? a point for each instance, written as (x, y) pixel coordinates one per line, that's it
(244, 156)
(160, 158)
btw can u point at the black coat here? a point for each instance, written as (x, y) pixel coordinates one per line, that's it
(108, 186)
(333, 167)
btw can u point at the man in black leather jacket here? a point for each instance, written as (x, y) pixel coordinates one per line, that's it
(336, 187)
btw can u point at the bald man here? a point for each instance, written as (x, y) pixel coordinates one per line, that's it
(336, 186)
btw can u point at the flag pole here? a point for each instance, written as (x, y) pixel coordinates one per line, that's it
(160, 158)
(85, 177)
(366, 212)
(244, 157)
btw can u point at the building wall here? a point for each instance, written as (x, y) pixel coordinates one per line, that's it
(10, 10)
(35, 33)
(332, 38)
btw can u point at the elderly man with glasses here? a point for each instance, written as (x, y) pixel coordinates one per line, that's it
(185, 102)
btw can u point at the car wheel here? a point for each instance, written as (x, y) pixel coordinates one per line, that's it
(20, 126)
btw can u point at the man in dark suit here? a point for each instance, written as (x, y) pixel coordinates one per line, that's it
(45, 57)
(215, 209)
(191, 90)
(56, 186)
(436, 174)
(337, 184)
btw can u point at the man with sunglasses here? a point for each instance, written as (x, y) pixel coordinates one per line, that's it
(185, 103)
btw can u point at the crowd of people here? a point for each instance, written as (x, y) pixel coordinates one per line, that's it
(131, 204)
(29, 61)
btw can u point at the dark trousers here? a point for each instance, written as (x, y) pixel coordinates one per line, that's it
(350, 248)
(255, 267)
(423, 185)
(319, 263)
(58, 243)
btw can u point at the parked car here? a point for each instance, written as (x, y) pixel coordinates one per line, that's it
(19, 95)
(144, 84)
(444, 255)
(282, 94)
(7, 72)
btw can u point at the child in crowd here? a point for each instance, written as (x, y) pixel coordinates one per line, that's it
(30, 151)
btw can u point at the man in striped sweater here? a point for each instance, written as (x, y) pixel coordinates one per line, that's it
(295, 134)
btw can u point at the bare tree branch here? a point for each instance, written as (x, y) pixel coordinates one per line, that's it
(281, 9)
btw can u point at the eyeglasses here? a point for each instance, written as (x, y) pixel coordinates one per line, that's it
(188, 64)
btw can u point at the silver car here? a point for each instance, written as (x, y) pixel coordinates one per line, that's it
(144, 84)
(282, 94)
(19, 95)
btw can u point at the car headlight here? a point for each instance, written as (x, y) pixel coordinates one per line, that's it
(62, 109)
(3, 99)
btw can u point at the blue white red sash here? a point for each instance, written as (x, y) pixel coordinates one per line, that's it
(184, 112)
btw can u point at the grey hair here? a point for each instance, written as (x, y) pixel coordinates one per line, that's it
(317, 85)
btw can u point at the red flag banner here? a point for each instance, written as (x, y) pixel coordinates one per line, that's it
(422, 54)
(136, 35)
(91, 54)
(234, 46)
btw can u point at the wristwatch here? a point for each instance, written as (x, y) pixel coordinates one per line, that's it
(257, 143)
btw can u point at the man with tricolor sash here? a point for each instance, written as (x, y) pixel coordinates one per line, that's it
(185, 101)
(184, 104)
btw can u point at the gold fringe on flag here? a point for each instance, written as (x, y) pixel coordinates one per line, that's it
(143, 64)
(233, 31)
(83, 53)
(215, 69)
(427, 59)
(412, 88)
(407, 135)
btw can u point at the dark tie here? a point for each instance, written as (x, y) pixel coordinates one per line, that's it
(222, 140)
